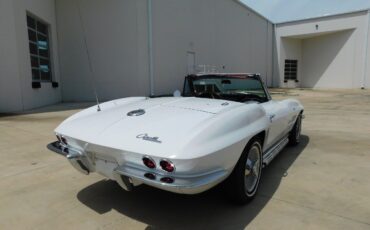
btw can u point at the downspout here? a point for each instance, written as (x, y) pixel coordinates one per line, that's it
(150, 47)
(267, 52)
(363, 84)
(273, 55)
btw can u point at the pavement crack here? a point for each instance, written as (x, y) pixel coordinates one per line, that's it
(30, 170)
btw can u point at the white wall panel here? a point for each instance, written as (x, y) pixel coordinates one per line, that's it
(333, 50)
(329, 61)
(10, 85)
(219, 32)
(44, 10)
(16, 92)
(116, 34)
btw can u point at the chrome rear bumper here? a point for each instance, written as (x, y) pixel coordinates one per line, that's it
(128, 175)
(191, 184)
(77, 159)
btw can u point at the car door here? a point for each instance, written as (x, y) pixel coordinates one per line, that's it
(277, 114)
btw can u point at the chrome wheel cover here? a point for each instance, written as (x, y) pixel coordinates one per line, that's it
(252, 169)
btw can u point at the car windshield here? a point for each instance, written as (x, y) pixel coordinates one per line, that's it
(240, 89)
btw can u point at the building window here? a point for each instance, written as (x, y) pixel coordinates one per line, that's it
(38, 38)
(290, 70)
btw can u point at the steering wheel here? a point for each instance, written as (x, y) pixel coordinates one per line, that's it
(253, 97)
(212, 95)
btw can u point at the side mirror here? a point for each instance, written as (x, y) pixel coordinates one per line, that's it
(177, 93)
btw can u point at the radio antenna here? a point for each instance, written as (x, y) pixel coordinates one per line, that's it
(88, 56)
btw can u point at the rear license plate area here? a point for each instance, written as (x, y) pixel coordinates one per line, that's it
(105, 165)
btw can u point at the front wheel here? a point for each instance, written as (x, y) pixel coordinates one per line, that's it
(244, 180)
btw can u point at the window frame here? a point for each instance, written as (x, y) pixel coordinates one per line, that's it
(39, 57)
(290, 70)
(188, 82)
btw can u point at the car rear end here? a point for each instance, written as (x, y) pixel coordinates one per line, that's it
(130, 169)
(181, 145)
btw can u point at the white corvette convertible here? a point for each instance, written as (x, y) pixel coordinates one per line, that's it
(223, 128)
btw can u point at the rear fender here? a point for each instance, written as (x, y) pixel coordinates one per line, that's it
(224, 137)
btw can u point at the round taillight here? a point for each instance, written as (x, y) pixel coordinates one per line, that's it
(167, 180)
(167, 165)
(148, 162)
(150, 176)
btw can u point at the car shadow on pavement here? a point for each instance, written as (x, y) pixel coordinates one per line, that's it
(212, 210)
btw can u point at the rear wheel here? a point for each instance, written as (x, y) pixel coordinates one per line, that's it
(244, 180)
(295, 134)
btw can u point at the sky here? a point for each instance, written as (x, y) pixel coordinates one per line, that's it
(278, 11)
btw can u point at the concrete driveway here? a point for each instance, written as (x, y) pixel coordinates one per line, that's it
(324, 183)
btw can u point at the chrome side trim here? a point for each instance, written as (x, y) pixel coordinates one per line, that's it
(274, 151)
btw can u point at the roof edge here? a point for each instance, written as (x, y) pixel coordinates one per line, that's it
(323, 16)
(252, 10)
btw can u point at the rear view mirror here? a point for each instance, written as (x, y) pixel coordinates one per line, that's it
(177, 93)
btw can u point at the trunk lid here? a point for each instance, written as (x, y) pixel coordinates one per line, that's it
(165, 126)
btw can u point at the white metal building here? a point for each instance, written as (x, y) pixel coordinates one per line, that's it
(330, 52)
(16, 92)
(136, 47)
(143, 47)
(319, 43)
